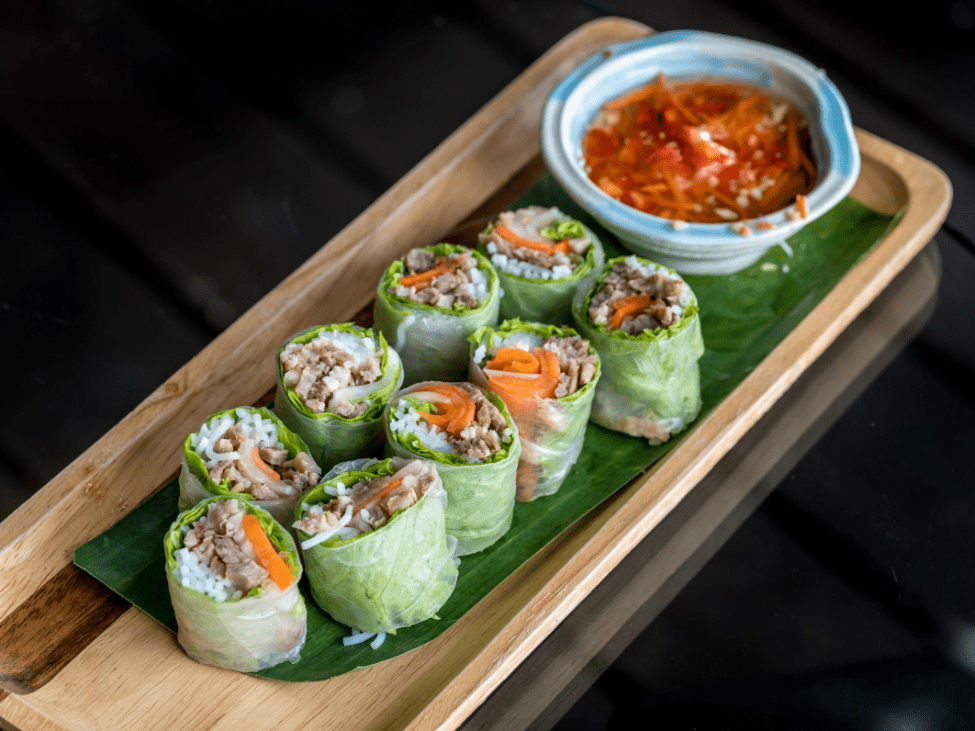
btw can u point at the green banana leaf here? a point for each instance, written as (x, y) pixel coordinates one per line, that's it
(743, 317)
(333, 438)
(481, 494)
(397, 575)
(260, 630)
(195, 483)
(553, 431)
(432, 341)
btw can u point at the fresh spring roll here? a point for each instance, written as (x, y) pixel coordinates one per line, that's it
(546, 376)
(643, 320)
(247, 453)
(429, 302)
(233, 579)
(473, 441)
(374, 544)
(542, 256)
(333, 384)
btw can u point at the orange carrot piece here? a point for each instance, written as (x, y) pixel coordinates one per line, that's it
(265, 553)
(513, 360)
(626, 306)
(425, 279)
(508, 235)
(378, 497)
(454, 416)
(264, 466)
(765, 226)
(519, 393)
(801, 205)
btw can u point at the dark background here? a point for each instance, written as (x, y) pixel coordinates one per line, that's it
(165, 164)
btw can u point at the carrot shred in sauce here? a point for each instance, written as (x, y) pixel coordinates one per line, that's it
(518, 392)
(684, 151)
(456, 414)
(265, 554)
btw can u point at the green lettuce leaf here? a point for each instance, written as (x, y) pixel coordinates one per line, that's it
(566, 230)
(481, 494)
(397, 575)
(552, 433)
(651, 382)
(333, 438)
(262, 629)
(432, 341)
(195, 483)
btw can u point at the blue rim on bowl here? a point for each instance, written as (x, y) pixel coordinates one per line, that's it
(698, 248)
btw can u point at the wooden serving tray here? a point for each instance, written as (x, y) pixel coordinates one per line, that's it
(74, 656)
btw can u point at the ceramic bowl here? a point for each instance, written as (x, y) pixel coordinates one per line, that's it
(698, 248)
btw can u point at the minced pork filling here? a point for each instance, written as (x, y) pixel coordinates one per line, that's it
(577, 365)
(668, 295)
(372, 502)
(528, 223)
(460, 283)
(320, 371)
(219, 542)
(246, 476)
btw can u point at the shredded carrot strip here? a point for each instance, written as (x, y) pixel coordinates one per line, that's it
(765, 226)
(801, 205)
(265, 554)
(626, 306)
(520, 393)
(425, 279)
(264, 466)
(454, 416)
(514, 360)
(508, 235)
(711, 134)
(378, 497)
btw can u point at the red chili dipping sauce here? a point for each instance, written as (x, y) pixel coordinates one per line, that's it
(704, 151)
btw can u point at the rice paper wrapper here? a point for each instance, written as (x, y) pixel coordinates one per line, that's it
(330, 437)
(396, 576)
(258, 631)
(432, 341)
(481, 496)
(553, 431)
(651, 384)
(548, 300)
(195, 484)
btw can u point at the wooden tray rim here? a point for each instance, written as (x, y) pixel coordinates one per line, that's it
(627, 518)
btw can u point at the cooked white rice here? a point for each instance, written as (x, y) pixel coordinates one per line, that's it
(510, 265)
(263, 431)
(407, 420)
(359, 636)
(193, 574)
(480, 283)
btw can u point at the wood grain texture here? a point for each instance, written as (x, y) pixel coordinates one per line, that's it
(134, 674)
(48, 630)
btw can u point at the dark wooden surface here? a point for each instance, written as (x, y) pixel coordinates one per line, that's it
(165, 164)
